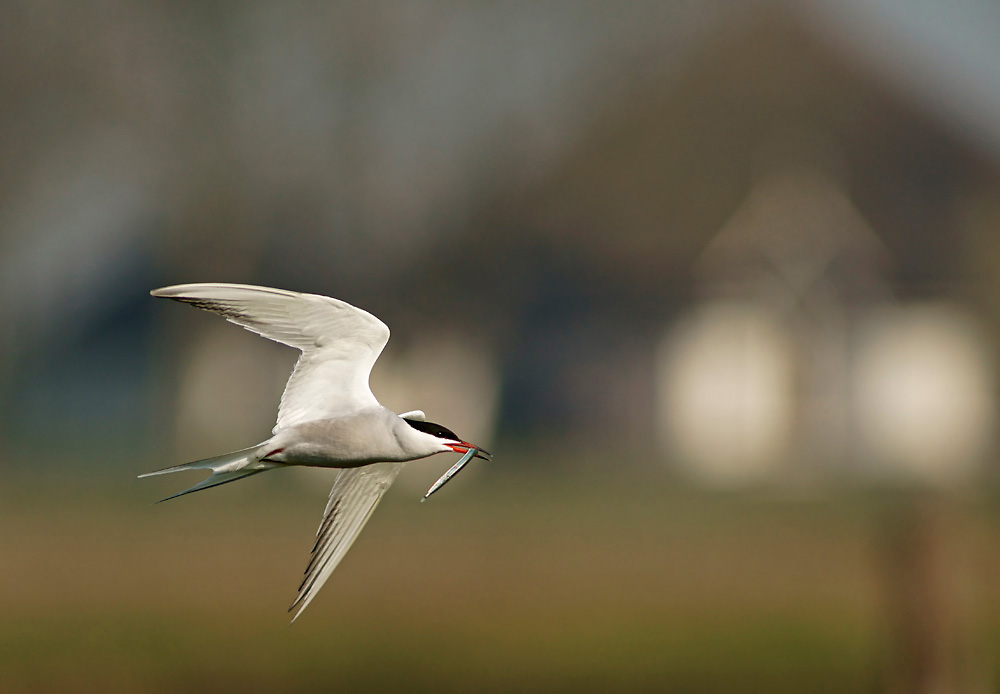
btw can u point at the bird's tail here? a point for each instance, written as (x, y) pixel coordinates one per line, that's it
(225, 468)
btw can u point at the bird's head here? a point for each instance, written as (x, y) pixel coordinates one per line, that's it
(447, 439)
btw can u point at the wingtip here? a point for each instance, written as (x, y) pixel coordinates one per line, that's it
(176, 291)
(298, 607)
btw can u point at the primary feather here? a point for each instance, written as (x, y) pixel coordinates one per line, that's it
(355, 494)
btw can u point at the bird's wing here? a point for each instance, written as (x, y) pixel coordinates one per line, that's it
(339, 343)
(355, 494)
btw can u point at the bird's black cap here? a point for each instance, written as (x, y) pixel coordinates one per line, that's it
(433, 429)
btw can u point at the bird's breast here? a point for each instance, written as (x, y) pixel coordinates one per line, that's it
(348, 442)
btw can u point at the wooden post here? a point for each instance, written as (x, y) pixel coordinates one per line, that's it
(926, 583)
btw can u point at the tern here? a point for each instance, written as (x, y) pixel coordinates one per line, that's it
(327, 417)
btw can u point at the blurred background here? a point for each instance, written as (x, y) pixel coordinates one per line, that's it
(716, 281)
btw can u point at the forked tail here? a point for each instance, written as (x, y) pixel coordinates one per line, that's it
(225, 468)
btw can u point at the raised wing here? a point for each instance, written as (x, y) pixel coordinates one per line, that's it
(339, 343)
(355, 494)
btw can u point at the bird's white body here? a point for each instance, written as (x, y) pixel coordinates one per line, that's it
(372, 435)
(328, 416)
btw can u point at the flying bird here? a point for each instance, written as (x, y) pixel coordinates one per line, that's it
(327, 417)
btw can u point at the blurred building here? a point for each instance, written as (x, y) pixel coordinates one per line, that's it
(797, 361)
(759, 375)
(779, 205)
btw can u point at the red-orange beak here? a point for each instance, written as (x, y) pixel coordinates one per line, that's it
(465, 447)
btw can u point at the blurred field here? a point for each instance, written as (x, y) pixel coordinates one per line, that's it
(528, 584)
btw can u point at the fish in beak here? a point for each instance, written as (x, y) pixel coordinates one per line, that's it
(470, 452)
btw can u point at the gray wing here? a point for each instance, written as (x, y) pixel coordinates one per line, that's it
(355, 494)
(339, 343)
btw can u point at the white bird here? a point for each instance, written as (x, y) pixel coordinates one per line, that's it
(328, 416)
